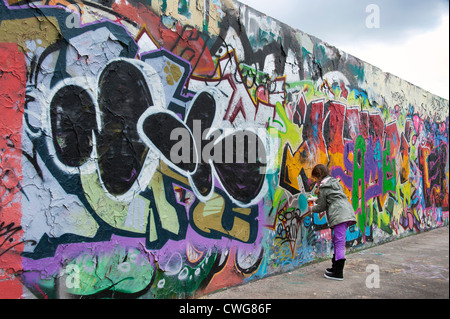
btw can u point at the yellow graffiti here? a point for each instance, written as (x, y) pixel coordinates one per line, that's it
(208, 217)
(43, 32)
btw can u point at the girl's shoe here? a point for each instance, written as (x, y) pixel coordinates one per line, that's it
(338, 273)
(329, 271)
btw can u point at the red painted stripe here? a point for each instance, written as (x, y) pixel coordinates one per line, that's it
(13, 76)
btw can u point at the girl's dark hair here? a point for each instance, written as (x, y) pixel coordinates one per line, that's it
(320, 171)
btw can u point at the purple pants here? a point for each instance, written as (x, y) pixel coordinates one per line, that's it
(338, 240)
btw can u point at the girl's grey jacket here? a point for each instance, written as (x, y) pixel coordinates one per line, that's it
(333, 200)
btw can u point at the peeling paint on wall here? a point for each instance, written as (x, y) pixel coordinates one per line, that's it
(93, 202)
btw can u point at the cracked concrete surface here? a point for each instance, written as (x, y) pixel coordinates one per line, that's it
(415, 267)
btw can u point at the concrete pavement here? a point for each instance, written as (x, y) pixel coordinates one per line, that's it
(415, 267)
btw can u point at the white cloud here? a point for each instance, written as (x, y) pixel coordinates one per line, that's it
(422, 59)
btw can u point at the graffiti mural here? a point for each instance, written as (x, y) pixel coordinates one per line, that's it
(163, 149)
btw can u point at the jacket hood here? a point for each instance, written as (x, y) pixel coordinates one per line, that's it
(332, 183)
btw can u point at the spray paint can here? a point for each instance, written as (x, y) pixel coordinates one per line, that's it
(312, 201)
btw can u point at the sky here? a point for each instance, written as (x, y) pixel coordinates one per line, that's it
(407, 38)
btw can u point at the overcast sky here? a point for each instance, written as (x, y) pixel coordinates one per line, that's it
(411, 41)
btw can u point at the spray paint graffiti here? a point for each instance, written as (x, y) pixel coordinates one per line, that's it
(164, 150)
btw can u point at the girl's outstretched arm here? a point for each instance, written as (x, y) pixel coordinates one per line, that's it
(321, 204)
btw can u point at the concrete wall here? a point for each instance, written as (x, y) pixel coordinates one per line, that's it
(109, 189)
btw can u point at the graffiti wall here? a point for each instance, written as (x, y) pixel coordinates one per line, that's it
(163, 148)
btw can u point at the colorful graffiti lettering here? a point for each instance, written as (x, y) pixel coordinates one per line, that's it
(164, 150)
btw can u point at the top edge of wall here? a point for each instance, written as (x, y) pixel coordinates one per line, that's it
(425, 93)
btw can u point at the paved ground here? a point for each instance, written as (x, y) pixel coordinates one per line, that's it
(415, 267)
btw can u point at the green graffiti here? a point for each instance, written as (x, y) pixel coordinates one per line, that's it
(164, 5)
(123, 271)
(388, 169)
(183, 8)
(358, 181)
(186, 281)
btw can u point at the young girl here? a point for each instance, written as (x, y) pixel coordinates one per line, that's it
(340, 216)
